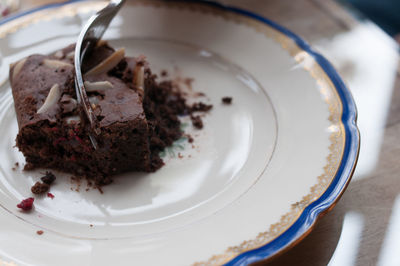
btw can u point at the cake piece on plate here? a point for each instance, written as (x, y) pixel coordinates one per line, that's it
(136, 115)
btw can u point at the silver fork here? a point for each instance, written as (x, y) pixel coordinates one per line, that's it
(88, 38)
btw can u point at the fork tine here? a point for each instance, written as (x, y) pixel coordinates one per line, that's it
(89, 36)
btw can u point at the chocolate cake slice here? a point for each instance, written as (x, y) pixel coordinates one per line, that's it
(138, 117)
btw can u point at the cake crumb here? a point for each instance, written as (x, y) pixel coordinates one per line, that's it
(40, 232)
(76, 180)
(89, 185)
(180, 156)
(199, 94)
(13, 169)
(16, 164)
(164, 73)
(200, 107)
(227, 100)
(26, 204)
(91, 225)
(29, 166)
(196, 121)
(40, 188)
(48, 178)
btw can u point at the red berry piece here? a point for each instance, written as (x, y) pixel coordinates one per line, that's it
(5, 12)
(26, 204)
(50, 195)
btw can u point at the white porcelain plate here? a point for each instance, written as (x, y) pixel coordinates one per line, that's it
(252, 184)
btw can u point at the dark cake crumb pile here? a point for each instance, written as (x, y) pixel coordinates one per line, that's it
(163, 105)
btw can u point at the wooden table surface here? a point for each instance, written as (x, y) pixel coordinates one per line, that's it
(362, 228)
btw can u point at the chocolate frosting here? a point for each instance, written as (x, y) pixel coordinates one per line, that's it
(32, 85)
(119, 104)
(31, 88)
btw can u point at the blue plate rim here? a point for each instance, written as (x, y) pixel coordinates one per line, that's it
(305, 222)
